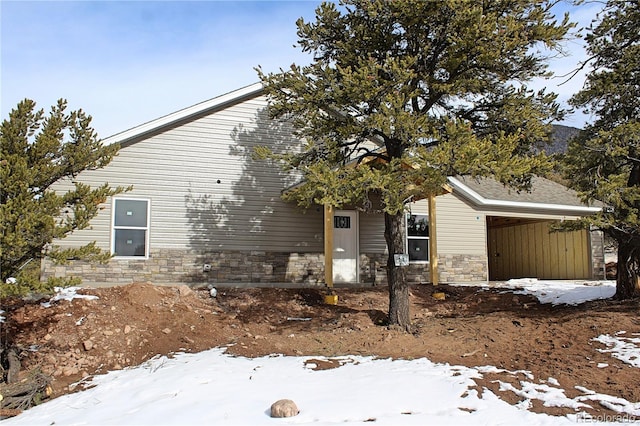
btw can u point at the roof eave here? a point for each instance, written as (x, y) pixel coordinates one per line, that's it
(487, 202)
(184, 114)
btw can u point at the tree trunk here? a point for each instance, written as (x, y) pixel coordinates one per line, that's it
(13, 360)
(398, 287)
(628, 278)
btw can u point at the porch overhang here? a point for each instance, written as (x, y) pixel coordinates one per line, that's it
(329, 210)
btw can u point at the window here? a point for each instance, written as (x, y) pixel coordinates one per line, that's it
(130, 228)
(418, 237)
(342, 222)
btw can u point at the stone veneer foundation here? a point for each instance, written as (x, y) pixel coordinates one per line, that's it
(254, 267)
(177, 266)
(598, 269)
(260, 267)
(462, 268)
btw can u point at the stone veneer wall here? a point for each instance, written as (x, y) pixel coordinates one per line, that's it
(597, 255)
(463, 268)
(373, 269)
(176, 266)
(452, 268)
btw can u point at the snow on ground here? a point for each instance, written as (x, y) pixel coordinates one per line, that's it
(67, 293)
(622, 347)
(562, 292)
(214, 388)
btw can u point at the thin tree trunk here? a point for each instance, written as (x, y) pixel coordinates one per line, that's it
(14, 365)
(398, 287)
(628, 277)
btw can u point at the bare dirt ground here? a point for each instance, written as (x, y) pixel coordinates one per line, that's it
(473, 326)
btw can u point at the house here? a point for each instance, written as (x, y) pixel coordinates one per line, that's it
(204, 210)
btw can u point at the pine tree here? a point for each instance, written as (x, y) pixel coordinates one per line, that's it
(603, 162)
(36, 153)
(417, 91)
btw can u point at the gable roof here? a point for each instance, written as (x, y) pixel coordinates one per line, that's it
(545, 195)
(134, 134)
(485, 192)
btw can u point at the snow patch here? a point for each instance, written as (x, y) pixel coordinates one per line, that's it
(626, 349)
(562, 292)
(66, 293)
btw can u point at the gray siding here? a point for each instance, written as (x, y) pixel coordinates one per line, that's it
(372, 233)
(206, 190)
(461, 228)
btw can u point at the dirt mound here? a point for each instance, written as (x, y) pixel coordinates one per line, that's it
(127, 325)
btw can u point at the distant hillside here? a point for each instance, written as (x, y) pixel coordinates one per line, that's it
(560, 136)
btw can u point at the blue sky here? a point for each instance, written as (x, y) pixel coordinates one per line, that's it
(128, 62)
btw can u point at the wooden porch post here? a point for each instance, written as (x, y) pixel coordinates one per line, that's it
(328, 245)
(433, 241)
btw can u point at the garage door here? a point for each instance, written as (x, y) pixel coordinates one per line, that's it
(523, 248)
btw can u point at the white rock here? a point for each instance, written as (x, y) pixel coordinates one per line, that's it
(284, 408)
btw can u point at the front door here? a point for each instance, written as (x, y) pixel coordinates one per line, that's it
(345, 246)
